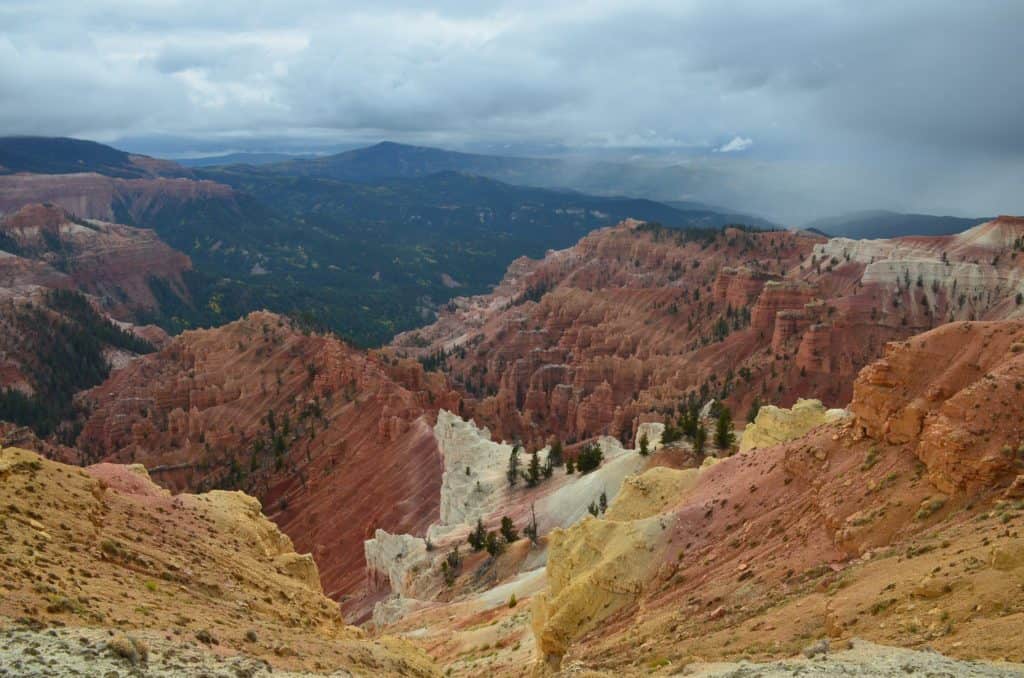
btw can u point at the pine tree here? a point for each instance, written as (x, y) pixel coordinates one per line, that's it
(589, 458)
(700, 438)
(508, 530)
(532, 474)
(724, 437)
(570, 466)
(478, 537)
(493, 544)
(556, 453)
(513, 467)
(644, 451)
(531, 529)
(603, 501)
(755, 407)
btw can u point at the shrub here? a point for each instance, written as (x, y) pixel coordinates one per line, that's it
(929, 506)
(133, 649)
(870, 459)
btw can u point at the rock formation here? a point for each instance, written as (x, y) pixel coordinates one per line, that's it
(46, 246)
(336, 443)
(775, 425)
(106, 547)
(808, 536)
(475, 487)
(954, 395)
(95, 196)
(610, 333)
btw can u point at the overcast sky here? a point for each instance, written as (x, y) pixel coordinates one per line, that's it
(906, 104)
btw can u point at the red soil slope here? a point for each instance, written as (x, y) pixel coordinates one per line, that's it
(905, 533)
(335, 443)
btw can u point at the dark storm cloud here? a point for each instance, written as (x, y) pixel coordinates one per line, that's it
(805, 105)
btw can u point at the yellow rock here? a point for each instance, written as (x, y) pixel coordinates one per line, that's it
(656, 490)
(1009, 557)
(775, 425)
(595, 568)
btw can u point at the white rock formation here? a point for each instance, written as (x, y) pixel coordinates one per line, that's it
(654, 431)
(392, 560)
(474, 482)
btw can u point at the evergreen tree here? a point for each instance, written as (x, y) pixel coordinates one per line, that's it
(531, 529)
(724, 437)
(493, 544)
(700, 439)
(671, 433)
(644, 451)
(755, 407)
(589, 458)
(570, 466)
(548, 469)
(603, 501)
(556, 454)
(478, 537)
(513, 467)
(532, 475)
(508, 530)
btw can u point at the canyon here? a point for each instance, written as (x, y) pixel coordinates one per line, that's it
(335, 442)
(617, 330)
(897, 524)
(45, 246)
(868, 503)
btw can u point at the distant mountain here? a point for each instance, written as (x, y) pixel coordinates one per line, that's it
(884, 224)
(392, 248)
(726, 215)
(369, 254)
(61, 155)
(656, 181)
(389, 160)
(240, 159)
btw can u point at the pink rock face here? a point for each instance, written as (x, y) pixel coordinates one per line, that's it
(356, 451)
(111, 262)
(953, 394)
(781, 297)
(738, 287)
(93, 196)
(43, 248)
(592, 339)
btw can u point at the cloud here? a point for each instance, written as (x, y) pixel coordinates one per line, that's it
(908, 104)
(736, 144)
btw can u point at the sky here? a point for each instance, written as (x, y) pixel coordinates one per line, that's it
(805, 106)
